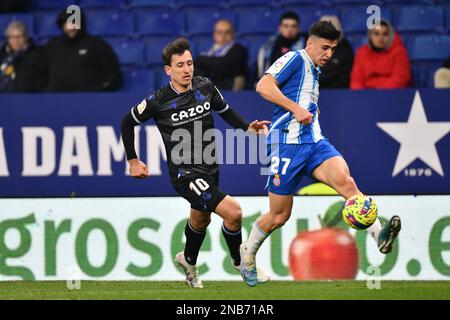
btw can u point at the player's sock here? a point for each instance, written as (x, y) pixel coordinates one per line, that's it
(374, 230)
(234, 240)
(194, 240)
(256, 238)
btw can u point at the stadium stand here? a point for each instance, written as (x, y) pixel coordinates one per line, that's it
(200, 21)
(138, 29)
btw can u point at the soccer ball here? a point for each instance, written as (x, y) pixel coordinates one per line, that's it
(360, 212)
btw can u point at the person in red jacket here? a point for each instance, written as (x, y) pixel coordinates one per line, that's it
(383, 62)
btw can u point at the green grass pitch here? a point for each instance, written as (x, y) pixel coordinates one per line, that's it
(223, 290)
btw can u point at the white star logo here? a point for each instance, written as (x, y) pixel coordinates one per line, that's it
(417, 138)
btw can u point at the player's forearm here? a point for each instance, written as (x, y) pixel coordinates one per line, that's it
(234, 119)
(127, 128)
(268, 89)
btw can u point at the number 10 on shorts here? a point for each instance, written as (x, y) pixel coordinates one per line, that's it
(199, 186)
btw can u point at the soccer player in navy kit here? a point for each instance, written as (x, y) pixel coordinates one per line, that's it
(186, 103)
(296, 146)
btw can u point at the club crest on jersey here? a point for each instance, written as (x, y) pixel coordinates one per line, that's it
(276, 180)
(199, 96)
(141, 107)
(191, 112)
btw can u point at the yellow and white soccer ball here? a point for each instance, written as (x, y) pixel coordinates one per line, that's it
(360, 212)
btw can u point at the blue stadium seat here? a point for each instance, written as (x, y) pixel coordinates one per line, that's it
(27, 18)
(303, 2)
(199, 3)
(354, 19)
(46, 24)
(114, 4)
(366, 3)
(130, 53)
(140, 81)
(249, 3)
(430, 47)
(52, 4)
(201, 21)
(447, 18)
(405, 2)
(420, 18)
(157, 22)
(109, 22)
(423, 72)
(152, 3)
(310, 14)
(253, 43)
(153, 49)
(257, 20)
(200, 44)
(161, 79)
(356, 40)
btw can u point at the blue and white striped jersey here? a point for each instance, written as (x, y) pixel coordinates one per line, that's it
(298, 79)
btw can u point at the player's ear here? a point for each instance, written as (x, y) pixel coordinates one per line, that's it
(168, 70)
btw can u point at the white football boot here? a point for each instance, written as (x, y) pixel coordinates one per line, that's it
(191, 271)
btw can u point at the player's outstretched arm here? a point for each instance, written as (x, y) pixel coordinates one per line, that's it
(236, 120)
(138, 169)
(267, 87)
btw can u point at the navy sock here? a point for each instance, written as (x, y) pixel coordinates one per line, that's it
(194, 240)
(234, 240)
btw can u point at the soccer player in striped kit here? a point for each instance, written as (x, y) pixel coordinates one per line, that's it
(296, 146)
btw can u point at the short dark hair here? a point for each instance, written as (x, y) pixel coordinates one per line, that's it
(384, 23)
(178, 46)
(324, 29)
(289, 15)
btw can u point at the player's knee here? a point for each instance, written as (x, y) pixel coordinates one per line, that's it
(201, 223)
(234, 219)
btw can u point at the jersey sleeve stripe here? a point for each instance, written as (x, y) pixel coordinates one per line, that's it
(224, 109)
(134, 116)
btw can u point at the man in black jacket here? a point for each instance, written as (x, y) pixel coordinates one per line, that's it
(226, 62)
(18, 59)
(336, 73)
(77, 61)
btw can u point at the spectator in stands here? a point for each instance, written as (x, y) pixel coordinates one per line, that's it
(383, 62)
(18, 60)
(442, 75)
(289, 37)
(226, 62)
(336, 73)
(77, 61)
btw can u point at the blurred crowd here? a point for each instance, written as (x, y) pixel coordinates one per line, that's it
(77, 61)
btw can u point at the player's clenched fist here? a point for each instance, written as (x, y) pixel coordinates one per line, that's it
(303, 116)
(138, 169)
